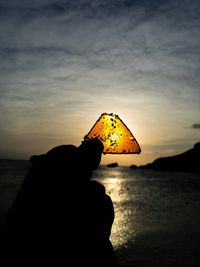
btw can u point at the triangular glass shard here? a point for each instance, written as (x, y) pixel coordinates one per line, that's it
(115, 135)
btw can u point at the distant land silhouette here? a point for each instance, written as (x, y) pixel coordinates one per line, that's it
(112, 165)
(133, 166)
(188, 161)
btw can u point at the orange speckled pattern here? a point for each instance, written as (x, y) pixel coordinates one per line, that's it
(116, 137)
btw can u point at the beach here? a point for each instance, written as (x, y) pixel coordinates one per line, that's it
(157, 214)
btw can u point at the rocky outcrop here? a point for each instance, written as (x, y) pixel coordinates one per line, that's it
(133, 166)
(188, 161)
(112, 165)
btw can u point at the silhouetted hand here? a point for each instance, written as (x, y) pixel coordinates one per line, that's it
(58, 206)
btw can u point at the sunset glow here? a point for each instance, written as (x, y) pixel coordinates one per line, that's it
(66, 62)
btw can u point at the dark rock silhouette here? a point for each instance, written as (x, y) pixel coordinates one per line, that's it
(112, 165)
(133, 166)
(188, 161)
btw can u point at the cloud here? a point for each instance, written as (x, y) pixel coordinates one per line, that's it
(65, 58)
(138, 48)
(196, 126)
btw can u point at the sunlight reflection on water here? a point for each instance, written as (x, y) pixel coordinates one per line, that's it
(147, 202)
(115, 182)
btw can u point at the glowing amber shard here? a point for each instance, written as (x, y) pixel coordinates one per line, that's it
(114, 134)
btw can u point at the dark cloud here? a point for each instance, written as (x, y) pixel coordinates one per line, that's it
(82, 4)
(95, 8)
(196, 126)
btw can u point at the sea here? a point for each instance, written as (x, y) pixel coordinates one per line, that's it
(157, 213)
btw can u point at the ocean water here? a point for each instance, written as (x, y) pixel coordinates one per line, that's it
(157, 214)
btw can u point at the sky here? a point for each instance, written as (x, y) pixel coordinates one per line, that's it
(64, 63)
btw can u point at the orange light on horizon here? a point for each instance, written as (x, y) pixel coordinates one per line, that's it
(115, 135)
